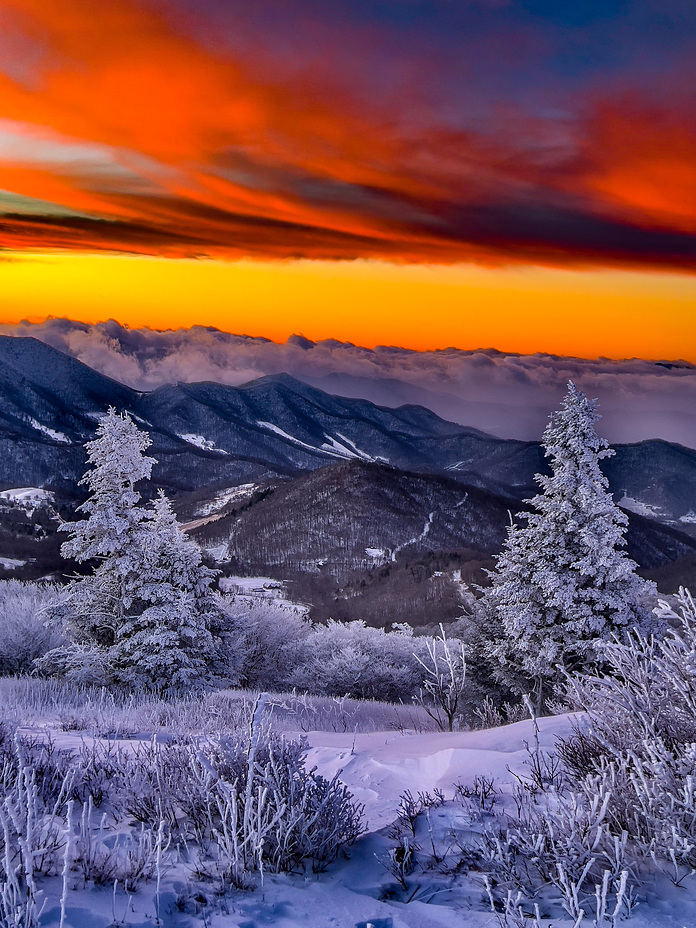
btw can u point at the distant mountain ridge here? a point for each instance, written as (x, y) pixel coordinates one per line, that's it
(212, 435)
(361, 540)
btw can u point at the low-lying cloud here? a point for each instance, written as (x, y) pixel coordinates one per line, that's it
(508, 395)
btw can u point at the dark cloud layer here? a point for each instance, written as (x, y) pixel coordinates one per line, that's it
(507, 394)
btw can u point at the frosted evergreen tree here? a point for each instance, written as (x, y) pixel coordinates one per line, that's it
(143, 615)
(562, 582)
(164, 641)
(109, 534)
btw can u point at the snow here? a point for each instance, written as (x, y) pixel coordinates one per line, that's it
(345, 452)
(296, 441)
(52, 433)
(357, 891)
(259, 586)
(334, 450)
(219, 553)
(201, 442)
(345, 448)
(28, 495)
(223, 497)
(9, 563)
(379, 766)
(689, 517)
(348, 449)
(642, 509)
(27, 498)
(413, 541)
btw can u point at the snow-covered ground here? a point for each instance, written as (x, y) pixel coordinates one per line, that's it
(416, 539)
(27, 495)
(201, 442)
(254, 586)
(223, 497)
(641, 508)
(336, 447)
(357, 890)
(51, 433)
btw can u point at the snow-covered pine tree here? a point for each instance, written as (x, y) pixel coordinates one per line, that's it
(142, 617)
(562, 581)
(164, 641)
(96, 604)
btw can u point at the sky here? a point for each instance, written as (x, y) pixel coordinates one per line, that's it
(516, 174)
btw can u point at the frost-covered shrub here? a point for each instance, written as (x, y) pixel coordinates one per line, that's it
(102, 857)
(548, 848)
(273, 646)
(249, 801)
(368, 663)
(243, 804)
(561, 840)
(24, 635)
(261, 642)
(78, 664)
(272, 813)
(637, 739)
(444, 683)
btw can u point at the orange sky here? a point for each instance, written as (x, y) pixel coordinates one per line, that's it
(530, 177)
(610, 313)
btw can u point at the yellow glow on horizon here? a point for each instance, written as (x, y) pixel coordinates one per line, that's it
(586, 313)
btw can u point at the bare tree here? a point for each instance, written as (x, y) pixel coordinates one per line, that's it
(444, 680)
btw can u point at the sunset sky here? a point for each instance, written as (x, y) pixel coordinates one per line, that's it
(518, 174)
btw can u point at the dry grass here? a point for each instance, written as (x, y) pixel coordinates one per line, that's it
(114, 714)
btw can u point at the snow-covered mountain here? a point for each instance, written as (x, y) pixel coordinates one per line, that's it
(209, 434)
(368, 541)
(369, 510)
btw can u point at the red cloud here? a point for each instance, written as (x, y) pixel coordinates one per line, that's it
(216, 159)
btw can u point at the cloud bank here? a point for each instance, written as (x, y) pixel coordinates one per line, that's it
(508, 395)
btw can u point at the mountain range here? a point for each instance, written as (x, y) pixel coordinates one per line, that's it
(208, 434)
(364, 488)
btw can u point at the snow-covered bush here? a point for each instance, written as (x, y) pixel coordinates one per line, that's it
(261, 642)
(271, 813)
(77, 664)
(101, 857)
(272, 645)
(545, 848)
(636, 738)
(35, 786)
(242, 804)
(368, 663)
(247, 799)
(24, 635)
